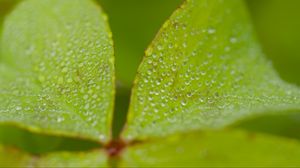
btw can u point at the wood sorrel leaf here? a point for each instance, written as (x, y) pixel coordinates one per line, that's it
(207, 149)
(57, 69)
(205, 70)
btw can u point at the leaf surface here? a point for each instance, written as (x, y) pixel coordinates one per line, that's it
(205, 70)
(57, 69)
(209, 149)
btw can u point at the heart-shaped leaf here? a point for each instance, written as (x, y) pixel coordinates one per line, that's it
(57, 69)
(205, 70)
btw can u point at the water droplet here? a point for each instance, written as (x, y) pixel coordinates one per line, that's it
(149, 61)
(189, 94)
(227, 48)
(233, 40)
(159, 47)
(149, 72)
(173, 68)
(183, 102)
(158, 82)
(60, 119)
(194, 53)
(211, 30)
(202, 73)
(209, 55)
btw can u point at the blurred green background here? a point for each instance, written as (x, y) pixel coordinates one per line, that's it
(277, 23)
(134, 24)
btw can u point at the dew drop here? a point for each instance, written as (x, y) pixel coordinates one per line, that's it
(60, 119)
(227, 48)
(233, 40)
(158, 82)
(209, 55)
(189, 94)
(159, 47)
(211, 30)
(183, 102)
(173, 68)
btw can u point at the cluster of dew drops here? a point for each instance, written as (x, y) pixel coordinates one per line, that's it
(172, 82)
(180, 77)
(71, 83)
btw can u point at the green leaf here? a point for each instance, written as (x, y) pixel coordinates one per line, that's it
(278, 30)
(57, 69)
(221, 148)
(205, 70)
(10, 157)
